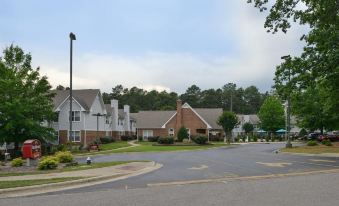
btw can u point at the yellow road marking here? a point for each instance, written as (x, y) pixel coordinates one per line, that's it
(320, 160)
(274, 164)
(242, 178)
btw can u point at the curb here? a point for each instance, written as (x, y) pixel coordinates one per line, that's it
(312, 155)
(54, 187)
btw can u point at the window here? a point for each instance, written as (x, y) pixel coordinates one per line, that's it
(107, 119)
(147, 133)
(56, 135)
(171, 132)
(74, 136)
(75, 116)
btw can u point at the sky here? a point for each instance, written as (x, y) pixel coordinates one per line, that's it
(163, 45)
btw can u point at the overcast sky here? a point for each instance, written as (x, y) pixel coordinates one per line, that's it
(153, 44)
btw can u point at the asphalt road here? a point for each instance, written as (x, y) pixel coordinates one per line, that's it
(246, 160)
(311, 190)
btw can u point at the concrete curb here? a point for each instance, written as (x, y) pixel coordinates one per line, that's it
(312, 155)
(132, 144)
(54, 187)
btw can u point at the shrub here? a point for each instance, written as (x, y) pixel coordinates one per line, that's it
(48, 163)
(64, 157)
(182, 134)
(166, 140)
(312, 143)
(61, 147)
(140, 138)
(125, 138)
(153, 139)
(17, 162)
(200, 139)
(326, 142)
(106, 140)
(255, 138)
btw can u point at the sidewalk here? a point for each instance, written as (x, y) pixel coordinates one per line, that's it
(89, 177)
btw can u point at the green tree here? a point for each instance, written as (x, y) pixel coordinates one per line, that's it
(228, 120)
(26, 100)
(318, 65)
(248, 127)
(271, 115)
(192, 96)
(182, 134)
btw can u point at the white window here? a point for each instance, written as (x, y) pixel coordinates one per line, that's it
(74, 136)
(147, 133)
(75, 116)
(171, 132)
(56, 135)
(107, 119)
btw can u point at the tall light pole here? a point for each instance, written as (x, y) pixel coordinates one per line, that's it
(71, 37)
(288, 109)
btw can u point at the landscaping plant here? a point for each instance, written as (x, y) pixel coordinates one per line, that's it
(64, 157)
(166, 140)
(49, 162)
(326, 142)
(312, 143)
(17, 162)
(200, 139)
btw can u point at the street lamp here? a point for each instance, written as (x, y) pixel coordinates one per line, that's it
(98, 115)
(288, 105)
(71, 37)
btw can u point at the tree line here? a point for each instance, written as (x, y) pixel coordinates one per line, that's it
(229, 97)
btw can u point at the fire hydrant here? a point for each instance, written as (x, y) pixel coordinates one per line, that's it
(88, 160)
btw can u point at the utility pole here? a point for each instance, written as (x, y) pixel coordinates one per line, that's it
(288, 109)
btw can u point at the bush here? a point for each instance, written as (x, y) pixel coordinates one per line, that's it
(166, 140)
(326, 142)
(17, 162)
(255, 138)
(153, 139)
(312, 143)
(125, 138)
(214, 138)
(182, 134)
(106, 140)
(140, 138)
(48, 163)
(200, 139)
(64, 157)
(61, 147)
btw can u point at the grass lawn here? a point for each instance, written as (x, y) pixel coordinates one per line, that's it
(114, 145)
(22, 183)
(148, 147)
(67, 169)
(314, 149)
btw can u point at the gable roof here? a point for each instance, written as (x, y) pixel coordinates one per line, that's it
(210, 115)
(85, 97)
(152, 119)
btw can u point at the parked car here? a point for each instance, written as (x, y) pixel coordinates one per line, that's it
(313, 136)
(333, 137)
(322, 137)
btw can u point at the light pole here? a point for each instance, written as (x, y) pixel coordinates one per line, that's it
(98, 115)
(71, 37)
(288, 106)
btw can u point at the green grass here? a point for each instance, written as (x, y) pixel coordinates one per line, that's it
(71, 168)
(22, 183)
(114, 145)
(148, 147)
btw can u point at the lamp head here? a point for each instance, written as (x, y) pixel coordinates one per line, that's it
(72, 36)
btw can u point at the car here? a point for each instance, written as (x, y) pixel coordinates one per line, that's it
(333, 137)
(313, 136)
(322, 137)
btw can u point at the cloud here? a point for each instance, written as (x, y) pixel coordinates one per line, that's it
(251, 60)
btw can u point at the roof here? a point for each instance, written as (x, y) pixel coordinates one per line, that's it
(156, 119)
(152, 119)
(85, 97)
(210, 115)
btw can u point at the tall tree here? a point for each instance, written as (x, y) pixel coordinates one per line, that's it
(192, 96)
(271, 115)
(228, 120)
(319, 62)
(26, 100)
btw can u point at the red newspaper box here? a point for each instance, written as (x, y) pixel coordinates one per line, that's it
(31, 149)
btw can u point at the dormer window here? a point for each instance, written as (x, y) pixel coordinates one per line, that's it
(75, 116)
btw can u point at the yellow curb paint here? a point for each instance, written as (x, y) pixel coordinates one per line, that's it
(320, 160)
(242, 178)
(275, 164)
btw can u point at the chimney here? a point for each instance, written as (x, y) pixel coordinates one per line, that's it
(179, 114)
(114, 105)
(127, 118)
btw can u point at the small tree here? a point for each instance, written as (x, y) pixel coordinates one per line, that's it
(271, 115)
(228, 120)
(248, 127)
(182, 134)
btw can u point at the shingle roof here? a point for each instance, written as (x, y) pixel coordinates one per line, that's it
(85, 97)
(156, 119)
(152, 119)
(210, 115)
